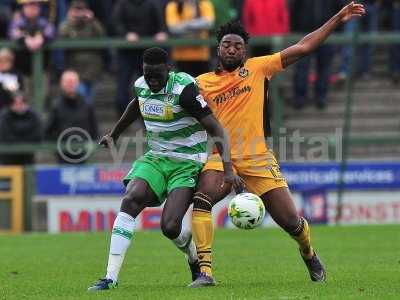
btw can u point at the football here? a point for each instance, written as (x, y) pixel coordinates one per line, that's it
(246, 211)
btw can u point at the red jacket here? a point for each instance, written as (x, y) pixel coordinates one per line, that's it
(266, 17)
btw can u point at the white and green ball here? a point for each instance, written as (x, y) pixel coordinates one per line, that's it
(246, 211)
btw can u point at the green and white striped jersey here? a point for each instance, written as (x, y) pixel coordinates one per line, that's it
(171, 118)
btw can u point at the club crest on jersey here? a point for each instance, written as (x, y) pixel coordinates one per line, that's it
(170, 99)
(243, 72)
(143, 93)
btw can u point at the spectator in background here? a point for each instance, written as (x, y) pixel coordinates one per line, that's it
(238, 5)
(190, 19)
(317, 12)
(70, 110)
(369, 24)
(19, 124)
(225, 11)
(134, 19)
(32, 31)
(56, 12)
(4, 21)
(265, 18)
(162, 7)
(10, 79)
(5, 16)
(88, 63)
(101, 10)
(395, 49)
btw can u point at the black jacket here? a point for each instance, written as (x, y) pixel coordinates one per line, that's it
(143, 17)
(19, 128)
(67, 113)
(308, 15)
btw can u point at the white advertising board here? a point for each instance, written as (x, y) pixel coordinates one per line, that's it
(86, 213)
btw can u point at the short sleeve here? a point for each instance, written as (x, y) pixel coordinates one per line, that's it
(269, 65)
(194, 103)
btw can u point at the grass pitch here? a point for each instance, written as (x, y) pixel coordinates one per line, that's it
(362, 262)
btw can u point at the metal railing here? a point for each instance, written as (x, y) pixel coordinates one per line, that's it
(277, 43)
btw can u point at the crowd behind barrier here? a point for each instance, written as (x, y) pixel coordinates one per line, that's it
(35, 24)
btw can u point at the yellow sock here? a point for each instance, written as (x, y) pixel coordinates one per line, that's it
(303, 238)
(203, 234)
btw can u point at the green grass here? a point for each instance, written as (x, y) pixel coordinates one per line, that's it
(362, 262)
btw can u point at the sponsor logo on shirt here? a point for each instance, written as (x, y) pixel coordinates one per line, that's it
(232, 93)
(150, 109)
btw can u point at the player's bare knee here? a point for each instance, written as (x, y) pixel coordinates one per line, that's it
(212, 183)
(171, 228)
(133, 200)
(136, 193)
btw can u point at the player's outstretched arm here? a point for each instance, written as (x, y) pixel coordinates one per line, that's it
(311, 41)
(131, 113)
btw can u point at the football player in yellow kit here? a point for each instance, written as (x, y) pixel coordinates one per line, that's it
(235, 93)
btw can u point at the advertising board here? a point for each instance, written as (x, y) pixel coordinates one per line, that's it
(67, 214)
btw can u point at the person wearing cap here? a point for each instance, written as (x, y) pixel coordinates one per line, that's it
(81, 24)
(31, 30)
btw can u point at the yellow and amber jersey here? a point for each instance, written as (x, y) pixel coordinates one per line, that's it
(173, 18)
(237, 100)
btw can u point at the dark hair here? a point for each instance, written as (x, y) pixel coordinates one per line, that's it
(232, 27)
(155, 56)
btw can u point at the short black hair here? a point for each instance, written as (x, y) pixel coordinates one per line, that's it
(232, 27)
(155, 56)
